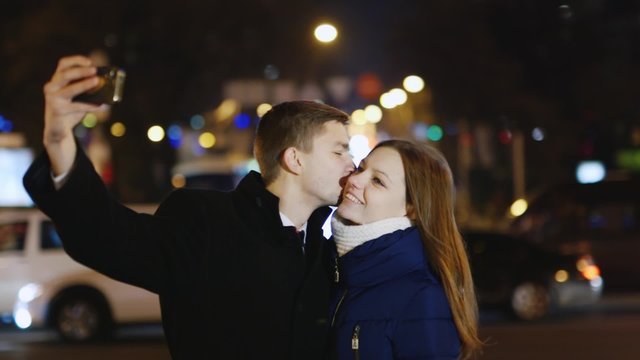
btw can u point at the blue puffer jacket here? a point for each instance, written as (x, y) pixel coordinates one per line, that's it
(389, 304)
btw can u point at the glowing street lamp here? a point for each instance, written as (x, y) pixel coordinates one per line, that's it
(413, 83)
(325, 33)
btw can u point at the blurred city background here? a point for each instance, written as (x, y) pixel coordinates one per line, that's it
(527, 100)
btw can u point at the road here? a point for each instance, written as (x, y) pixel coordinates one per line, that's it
(610, 330)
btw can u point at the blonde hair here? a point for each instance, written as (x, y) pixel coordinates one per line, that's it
(430, 199)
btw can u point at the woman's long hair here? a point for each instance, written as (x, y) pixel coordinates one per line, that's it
(430, 198)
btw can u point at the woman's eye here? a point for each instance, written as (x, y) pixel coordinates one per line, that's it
(377, 181)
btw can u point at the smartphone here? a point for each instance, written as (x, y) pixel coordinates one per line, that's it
(109, 89)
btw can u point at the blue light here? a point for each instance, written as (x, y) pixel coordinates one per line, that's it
(5, 124)
(589, 172)
(242, 121)
(434, 133)
(175, 143)
(420, 131)
(197, 122)
(174, 132)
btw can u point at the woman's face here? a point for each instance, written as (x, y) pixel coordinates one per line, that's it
(376, 190)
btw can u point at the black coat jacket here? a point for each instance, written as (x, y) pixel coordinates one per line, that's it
(233, 284)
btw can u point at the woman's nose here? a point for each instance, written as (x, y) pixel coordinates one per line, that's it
(355, 180)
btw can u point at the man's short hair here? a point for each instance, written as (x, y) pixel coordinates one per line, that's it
(290, 124)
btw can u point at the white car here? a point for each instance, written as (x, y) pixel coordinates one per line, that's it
(41, 286)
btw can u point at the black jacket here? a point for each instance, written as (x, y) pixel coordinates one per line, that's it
(233, 284)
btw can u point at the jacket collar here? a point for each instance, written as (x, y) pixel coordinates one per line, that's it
(252, 189)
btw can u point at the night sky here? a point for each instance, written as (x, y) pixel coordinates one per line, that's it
(570, 67)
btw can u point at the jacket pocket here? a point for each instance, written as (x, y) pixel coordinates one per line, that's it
(355, 342)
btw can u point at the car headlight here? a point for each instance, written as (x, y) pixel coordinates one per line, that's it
(29, 292)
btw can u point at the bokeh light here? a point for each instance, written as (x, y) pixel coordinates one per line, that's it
(589, 172)
(262, 109)
(197, 122)
(155, 133)
(89, 120)
(413, 83)
(398, 96)
(207, 140)
(359, 147)
(118, 129)
(518, 207)
(435, 133)
(358, 117)
(373, 114)
(178, 181)
(325, 33)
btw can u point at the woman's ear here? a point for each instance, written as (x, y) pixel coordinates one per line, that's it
(291, 160)
(411, 213)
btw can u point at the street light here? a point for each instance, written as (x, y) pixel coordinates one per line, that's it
(325, 33)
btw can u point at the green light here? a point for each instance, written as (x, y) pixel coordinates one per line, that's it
(434, 133)
(90, 120)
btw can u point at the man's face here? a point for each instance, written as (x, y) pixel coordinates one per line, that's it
(327, 164)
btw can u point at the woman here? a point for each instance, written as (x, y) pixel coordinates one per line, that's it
(404, 288)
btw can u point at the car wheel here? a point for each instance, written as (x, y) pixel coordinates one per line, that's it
(530, 301)
(81, 318)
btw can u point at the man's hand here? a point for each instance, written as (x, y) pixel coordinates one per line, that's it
(74, 75)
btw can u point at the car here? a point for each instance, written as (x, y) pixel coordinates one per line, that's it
(41, 286)
(600, 218)
(527, 280)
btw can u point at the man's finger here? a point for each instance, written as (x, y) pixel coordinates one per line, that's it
(78, 88)
(71, 61)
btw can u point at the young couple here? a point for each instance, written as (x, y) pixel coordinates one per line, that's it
(235, 283)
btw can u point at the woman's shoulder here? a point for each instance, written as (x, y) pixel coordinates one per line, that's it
(428, 301)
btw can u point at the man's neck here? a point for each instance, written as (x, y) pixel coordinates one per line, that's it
(296, 205)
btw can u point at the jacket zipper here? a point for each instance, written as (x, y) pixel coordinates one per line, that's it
(355, 342)
(336, 277)
(338, 307)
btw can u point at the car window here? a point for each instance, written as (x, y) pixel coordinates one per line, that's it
(49, 238)
(12, 237)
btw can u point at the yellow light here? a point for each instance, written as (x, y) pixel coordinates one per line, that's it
(387, 101)
(562, 276)
(207, 140)
(413, 83)
(325, 33)
(591, 272)
(227, 109)
(118, 129)
(89, 120)
(398, 96)
(358, 117)
(155, 133)
(518, 207)
(178, 181)
(262, 109)
(373, 114)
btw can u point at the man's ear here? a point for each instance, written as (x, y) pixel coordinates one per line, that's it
(291, 160)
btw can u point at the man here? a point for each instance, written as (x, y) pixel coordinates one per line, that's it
(233, 282)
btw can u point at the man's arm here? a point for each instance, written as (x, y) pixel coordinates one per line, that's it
(73, 76)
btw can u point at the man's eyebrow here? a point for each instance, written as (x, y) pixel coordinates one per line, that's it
(344, 146)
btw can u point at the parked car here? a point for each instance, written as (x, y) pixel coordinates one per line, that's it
(526, 280)
(602, 219)
(41, 286)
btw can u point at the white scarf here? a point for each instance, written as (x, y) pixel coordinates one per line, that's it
(348, 237)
